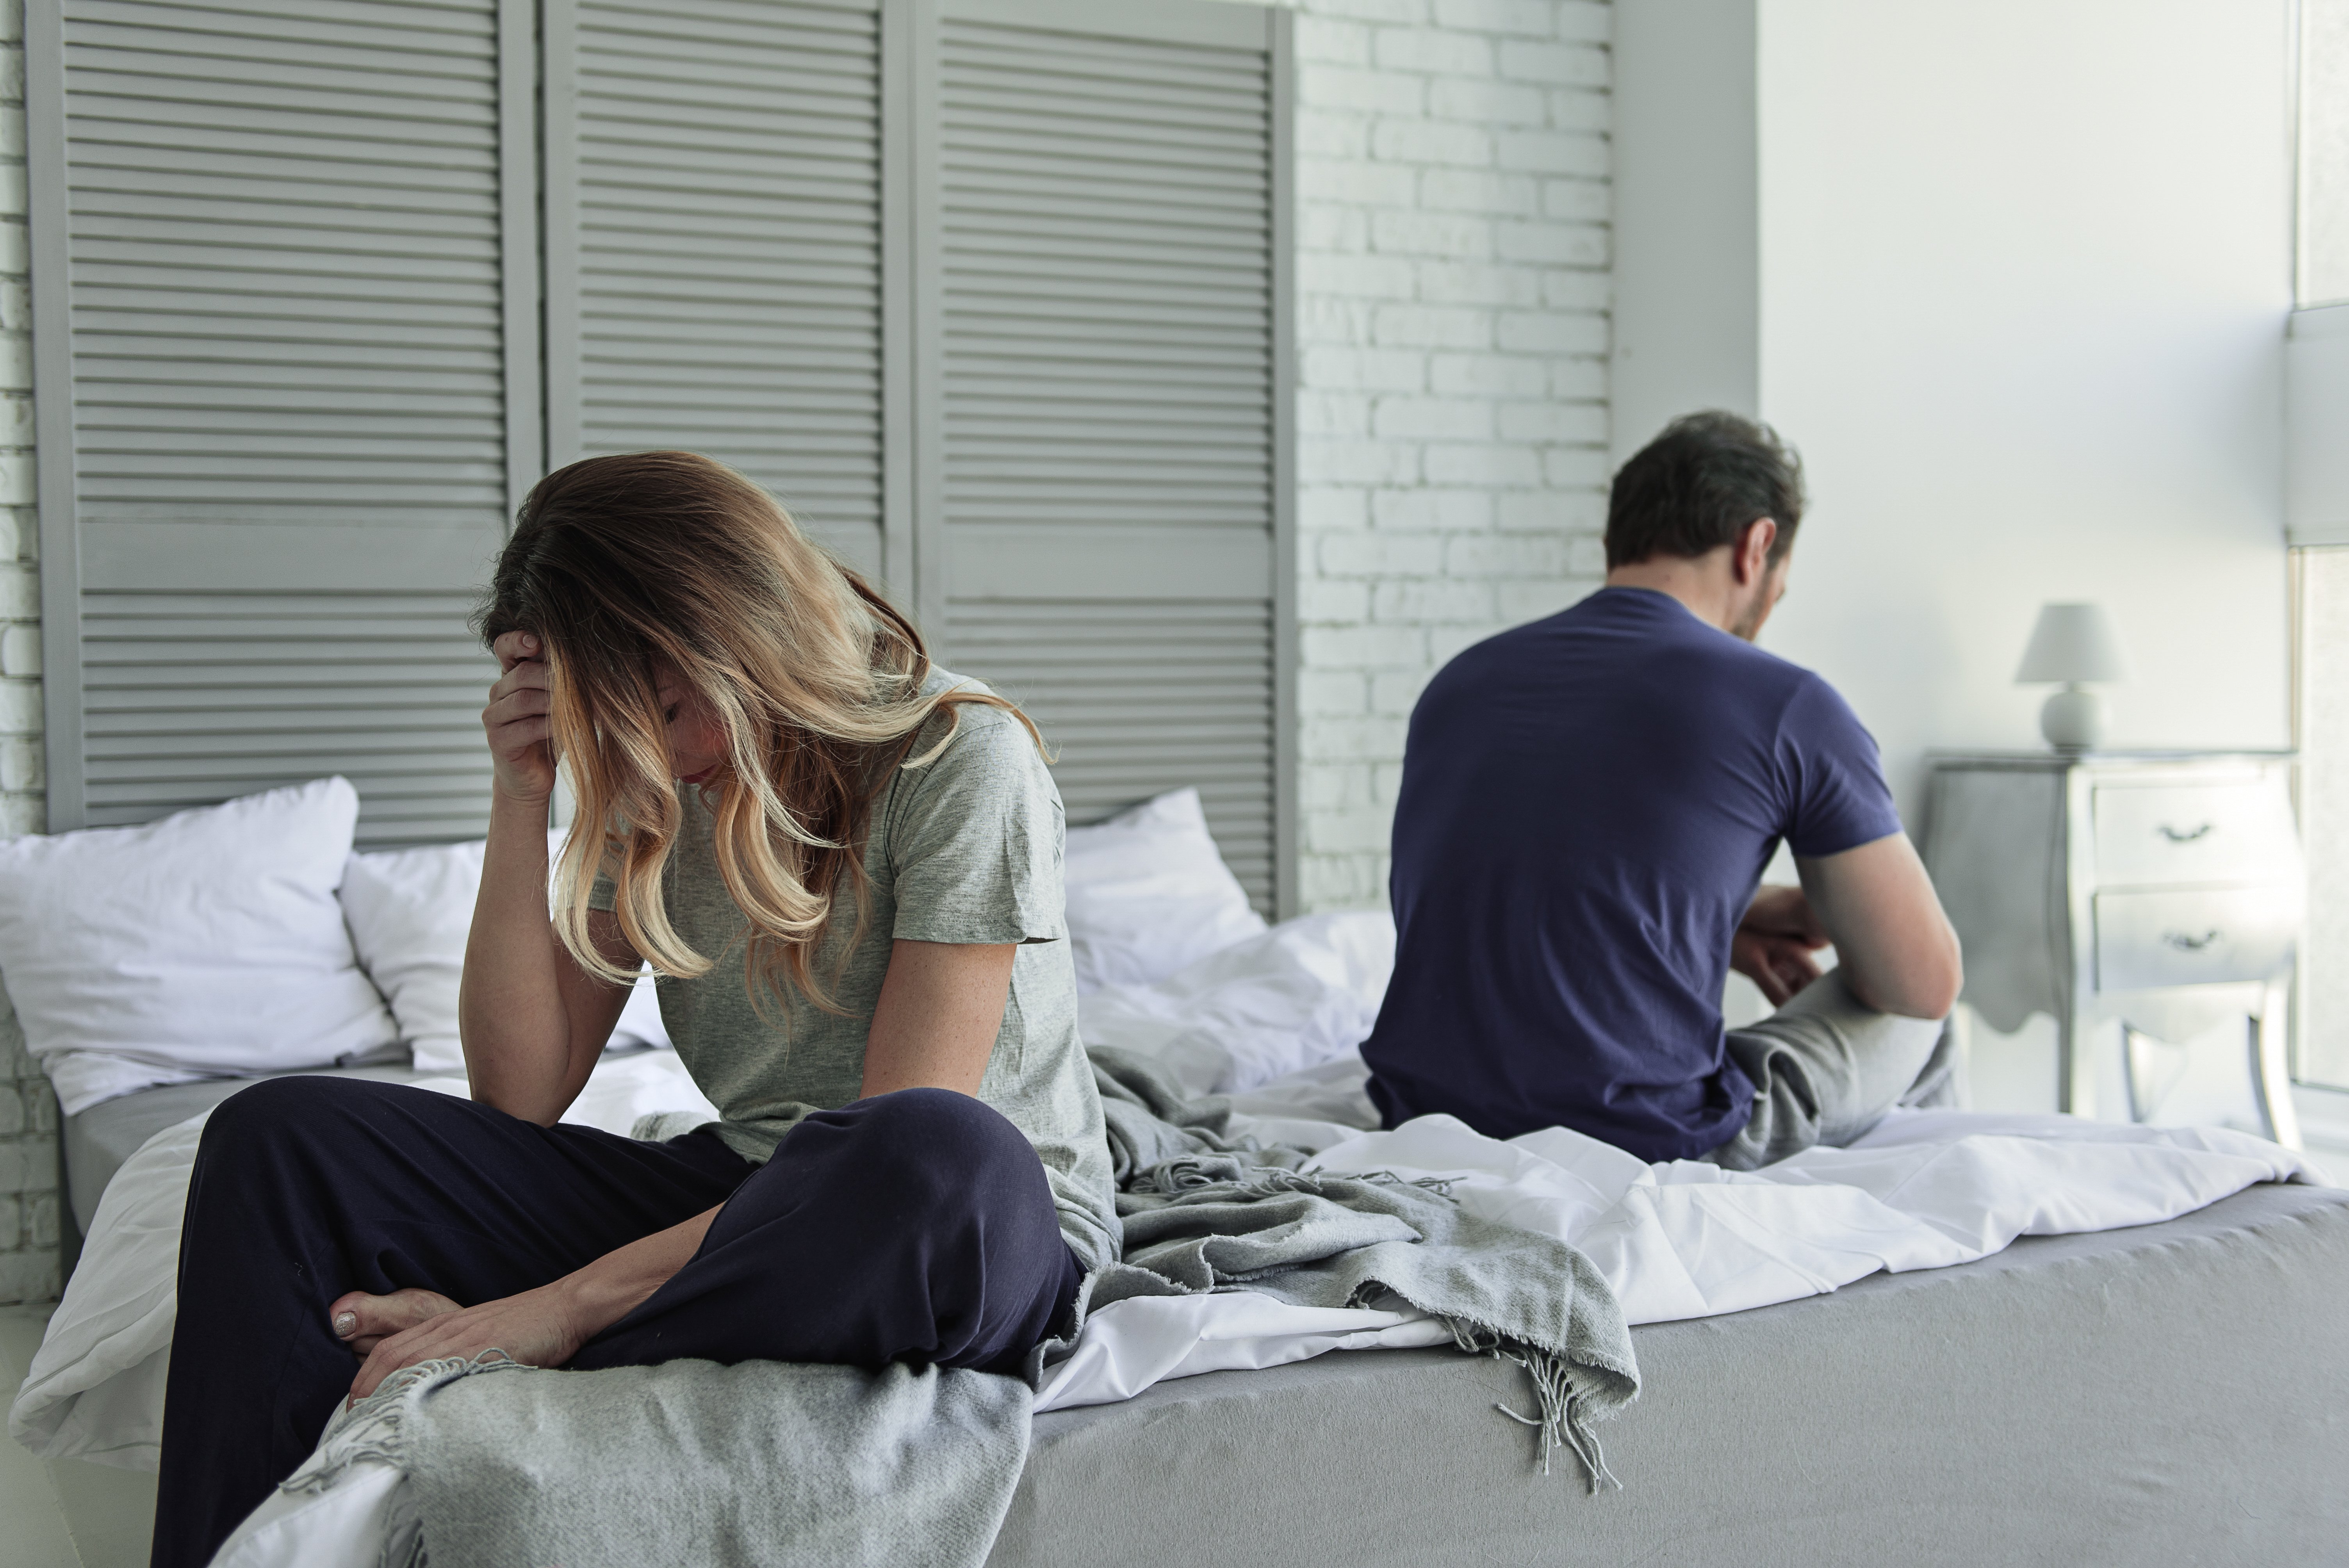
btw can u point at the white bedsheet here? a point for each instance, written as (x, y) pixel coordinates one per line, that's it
(1682, 1239)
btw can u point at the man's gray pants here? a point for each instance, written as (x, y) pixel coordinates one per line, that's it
(1826, 1067)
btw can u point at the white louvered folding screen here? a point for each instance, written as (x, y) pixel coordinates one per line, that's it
(714, 244)
(990, 292)
(1099, 367)
(279, 348)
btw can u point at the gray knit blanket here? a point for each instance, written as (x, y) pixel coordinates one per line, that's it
(770, 1464)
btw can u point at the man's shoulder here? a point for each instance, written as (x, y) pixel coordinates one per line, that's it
(1778, 673)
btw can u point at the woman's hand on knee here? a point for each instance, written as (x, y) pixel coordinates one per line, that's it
(363, 1322)
(535, 1327)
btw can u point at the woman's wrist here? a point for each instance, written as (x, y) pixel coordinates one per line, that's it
(520, 807)
(590, 1302)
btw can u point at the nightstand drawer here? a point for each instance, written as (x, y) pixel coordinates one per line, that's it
(2146, 940)
(2163, 835)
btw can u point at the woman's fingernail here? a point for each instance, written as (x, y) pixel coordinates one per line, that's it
(346, 1325)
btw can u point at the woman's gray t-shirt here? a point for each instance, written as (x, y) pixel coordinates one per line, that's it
(963, 848)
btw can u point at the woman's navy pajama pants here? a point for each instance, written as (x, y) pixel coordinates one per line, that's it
(914, 1226)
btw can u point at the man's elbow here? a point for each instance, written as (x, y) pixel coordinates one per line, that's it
(1925, 986)
(1941, 988)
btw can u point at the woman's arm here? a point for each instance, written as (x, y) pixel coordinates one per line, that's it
(935, 1026)
(543, 1327)
(940, 1008)
(532, 1020)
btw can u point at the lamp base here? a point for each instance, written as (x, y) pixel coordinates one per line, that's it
(2074, 720)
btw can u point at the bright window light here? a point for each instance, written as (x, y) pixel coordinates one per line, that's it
(2322, 581)
(2323, 151)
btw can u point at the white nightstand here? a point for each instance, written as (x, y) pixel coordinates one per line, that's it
(2116, 884)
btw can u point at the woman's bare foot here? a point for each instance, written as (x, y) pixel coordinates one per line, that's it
(362, 1320)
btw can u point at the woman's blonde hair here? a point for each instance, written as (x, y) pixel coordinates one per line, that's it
(626, 568)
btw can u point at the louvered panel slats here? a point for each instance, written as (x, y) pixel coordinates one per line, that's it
(290, 221)
(1140, 699)
(284, 228)
(729, 249)
(1103, 320)
(192, 698)
(303, 203)
(1107, 314)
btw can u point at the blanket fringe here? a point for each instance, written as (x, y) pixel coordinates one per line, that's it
(1233, 1179)
(370, 1429)
(373, 1429)
(1560, 1414)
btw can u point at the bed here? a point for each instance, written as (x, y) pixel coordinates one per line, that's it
(1845, 1359)
(2159, 1395)
(2152, 1393)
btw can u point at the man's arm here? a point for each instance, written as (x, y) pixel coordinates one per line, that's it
(1895, 948)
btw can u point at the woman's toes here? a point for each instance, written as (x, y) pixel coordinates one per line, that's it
(359, 1320)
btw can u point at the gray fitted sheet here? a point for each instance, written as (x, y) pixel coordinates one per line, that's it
(2174, 1394)
(97, 1140)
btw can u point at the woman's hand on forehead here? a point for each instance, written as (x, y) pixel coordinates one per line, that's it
(516, 722)
(513, 648)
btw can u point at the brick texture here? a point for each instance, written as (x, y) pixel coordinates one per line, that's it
(28, 1111)
(1454, 284)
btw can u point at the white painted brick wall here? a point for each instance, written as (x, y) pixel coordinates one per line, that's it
(1453, 289)
(28, 1111)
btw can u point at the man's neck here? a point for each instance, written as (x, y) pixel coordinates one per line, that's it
(1703, 583)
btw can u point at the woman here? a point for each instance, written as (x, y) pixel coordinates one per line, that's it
(845, 866)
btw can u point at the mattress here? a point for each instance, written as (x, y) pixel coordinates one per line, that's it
(98, 1140)
(2170, 1394)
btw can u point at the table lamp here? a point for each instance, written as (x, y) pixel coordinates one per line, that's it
(2073, 645)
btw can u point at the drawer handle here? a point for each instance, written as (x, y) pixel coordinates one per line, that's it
(2184, 944)
(2187, 837)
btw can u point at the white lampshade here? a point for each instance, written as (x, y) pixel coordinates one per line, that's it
(2073, 642)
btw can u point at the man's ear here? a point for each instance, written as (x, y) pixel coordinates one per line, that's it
(1750, 559)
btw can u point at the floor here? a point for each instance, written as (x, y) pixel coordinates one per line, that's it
(63, 1513)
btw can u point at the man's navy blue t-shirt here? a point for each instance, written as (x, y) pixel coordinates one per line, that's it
(1588, 805)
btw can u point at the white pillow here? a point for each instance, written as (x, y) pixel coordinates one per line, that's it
(1300, 995)
(1148, 894)
(205, 945)
(410, 911)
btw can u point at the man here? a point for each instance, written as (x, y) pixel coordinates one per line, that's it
(1588, 805)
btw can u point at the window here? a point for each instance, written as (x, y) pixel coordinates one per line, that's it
(2321, 584)
(2324, 153)
(2317, 359)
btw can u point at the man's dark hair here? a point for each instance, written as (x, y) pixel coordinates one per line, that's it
(1697, 485)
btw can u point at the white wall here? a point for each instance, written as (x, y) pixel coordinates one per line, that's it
(1452, 286)
(2024, 272)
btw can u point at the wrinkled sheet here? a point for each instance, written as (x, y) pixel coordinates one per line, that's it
(1683, 1239)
